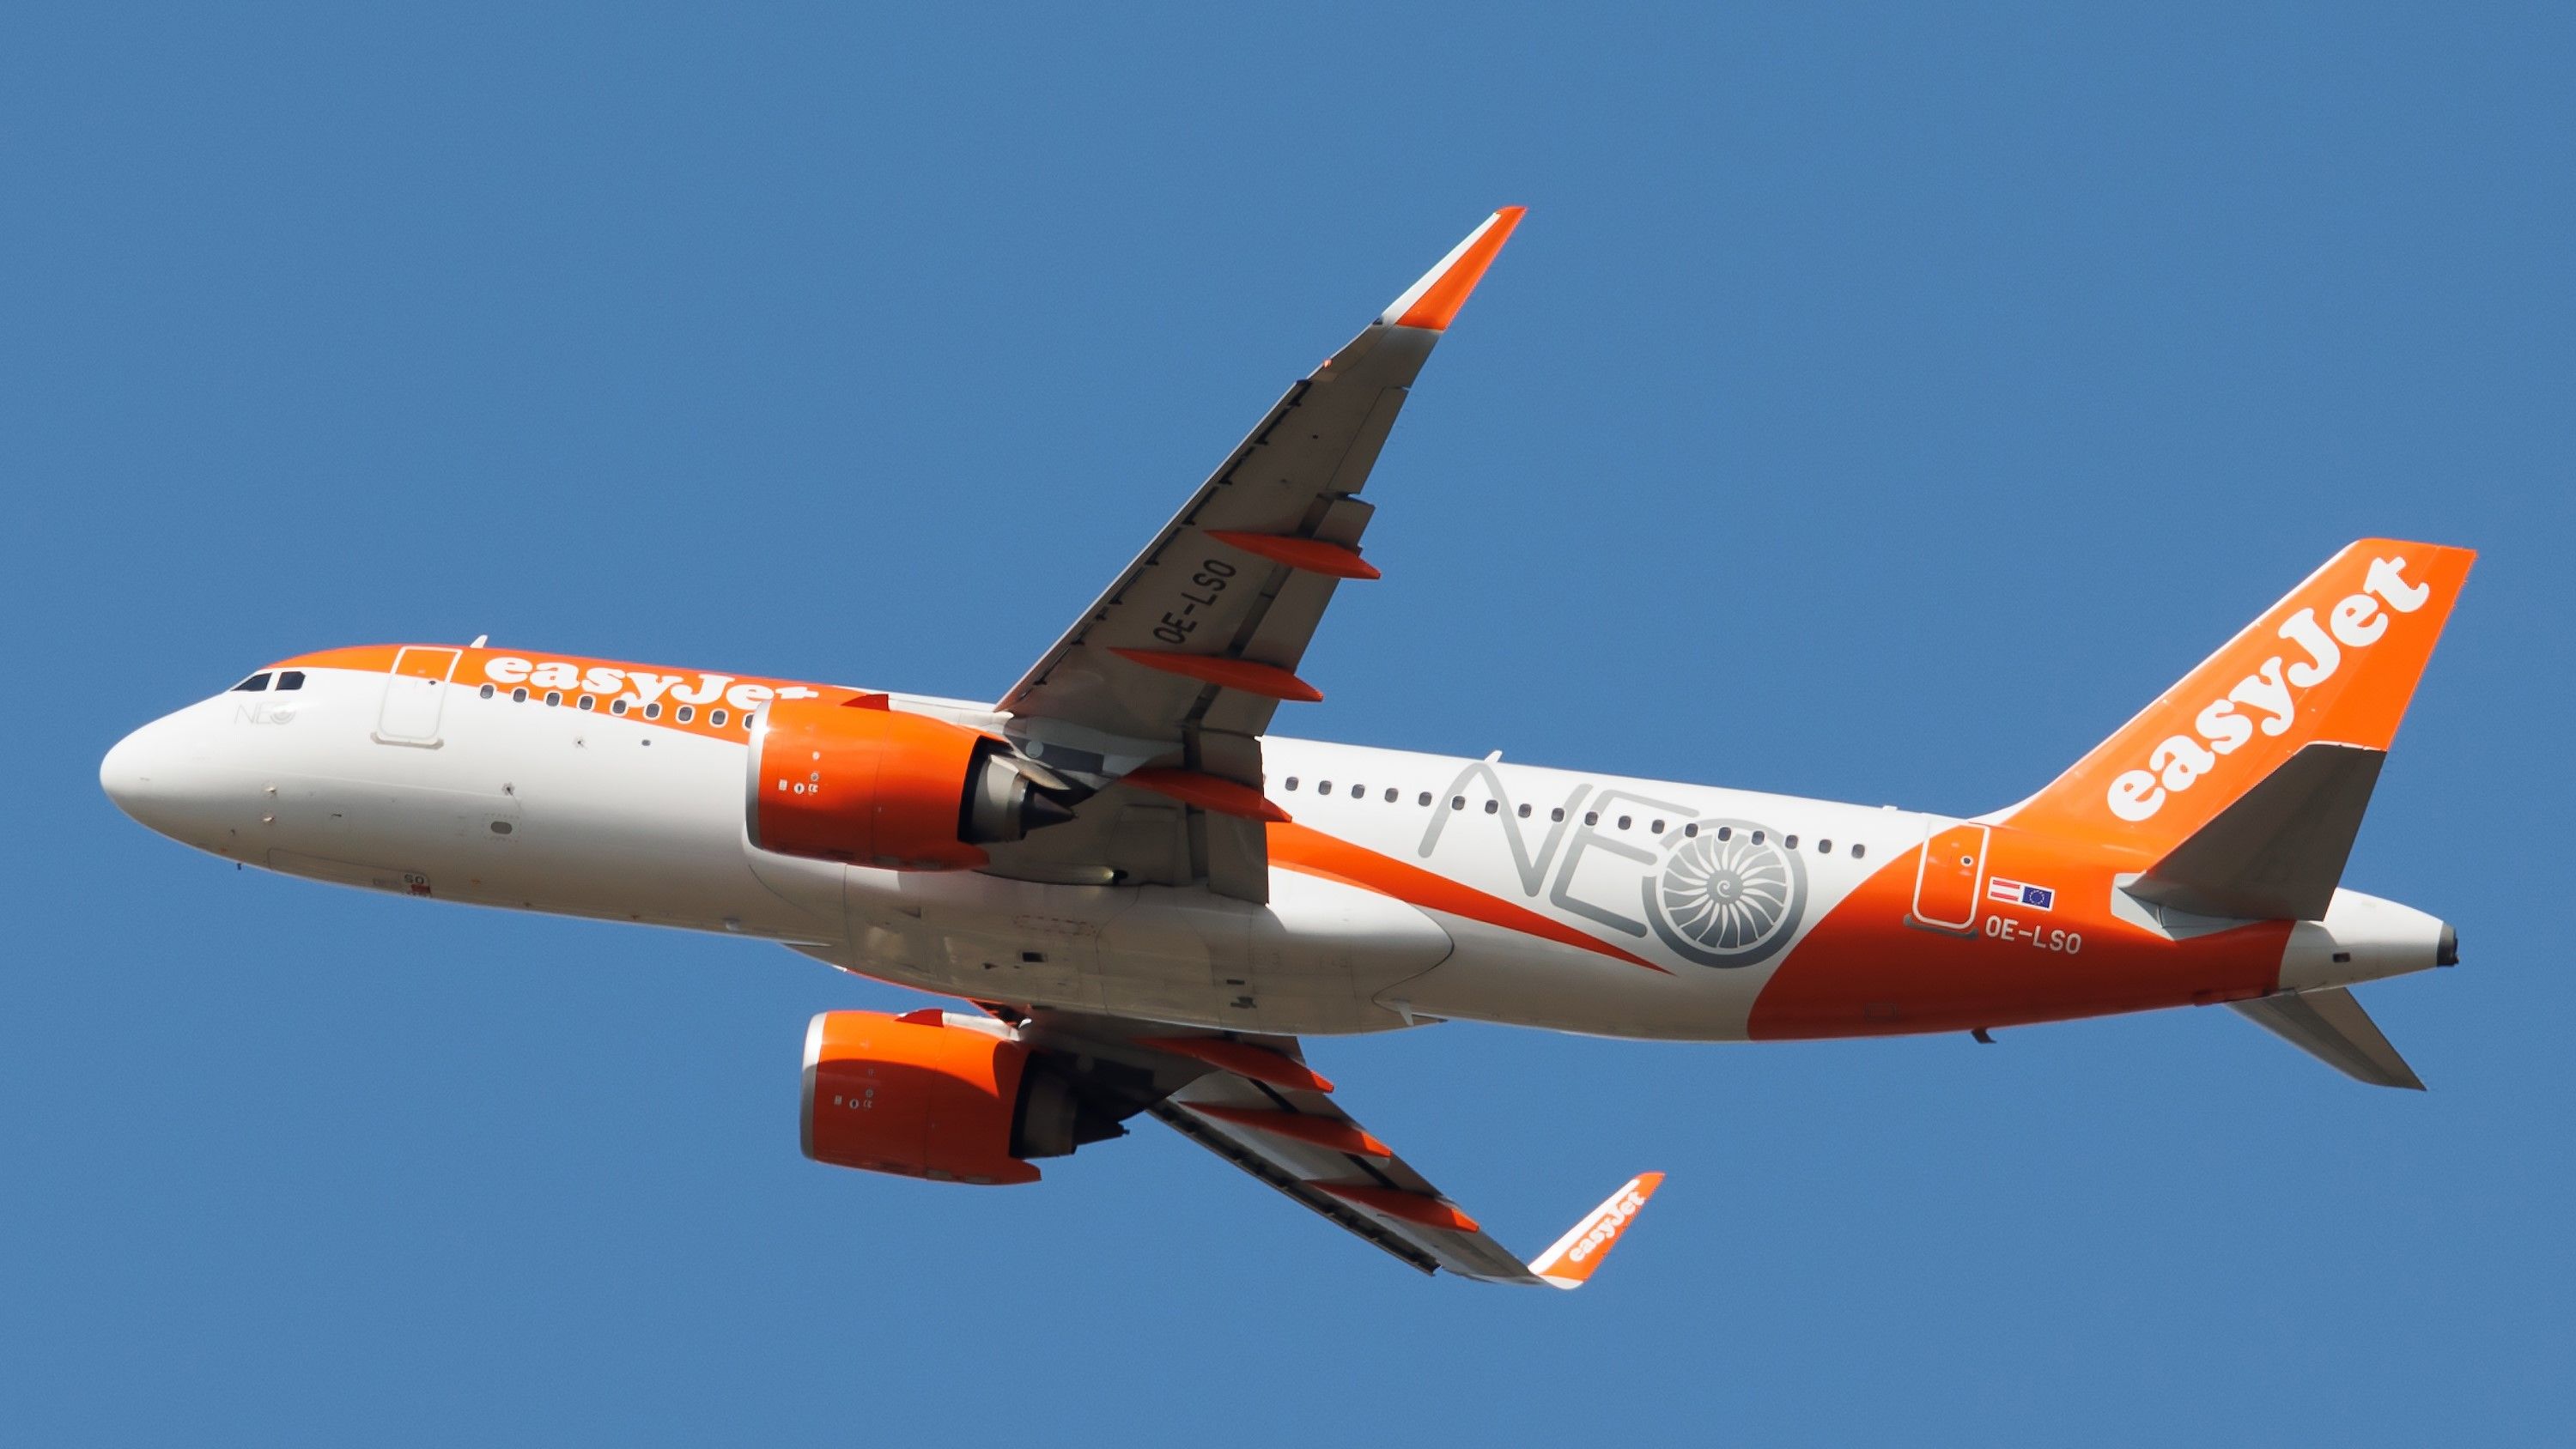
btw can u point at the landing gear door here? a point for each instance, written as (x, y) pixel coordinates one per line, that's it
(1947, 879)
(415, 696)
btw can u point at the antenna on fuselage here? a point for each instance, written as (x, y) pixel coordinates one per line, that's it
(479, 641)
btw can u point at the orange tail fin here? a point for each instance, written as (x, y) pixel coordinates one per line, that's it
(2335, 662)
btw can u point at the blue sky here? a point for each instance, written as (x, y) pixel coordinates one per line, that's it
(1879, 404)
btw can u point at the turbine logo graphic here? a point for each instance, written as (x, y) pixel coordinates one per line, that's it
(1728, 896)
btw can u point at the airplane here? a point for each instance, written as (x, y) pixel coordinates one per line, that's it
(1149, 898)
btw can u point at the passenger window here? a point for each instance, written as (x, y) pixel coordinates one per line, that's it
(252, 685)
(1390, 794)
(291, 679)
(1358, 791)
(1623, 822)
(1658, 828)
(1690, 832)
(1726, 832)
(1824, 847)
(554, 697)
(1591, 817)
(1457, 802)
(1425, 800)
(1323, 787)
(1789, 841)
(716, 718)
(651, 711)
(519, 695)
(1524, 812)
(686, 714)
(1493, 807)
(1859, 850)
(586, 701)
(1292, 782)
(485, 691)
(617, 706)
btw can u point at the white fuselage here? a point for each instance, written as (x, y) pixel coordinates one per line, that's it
(502, 801)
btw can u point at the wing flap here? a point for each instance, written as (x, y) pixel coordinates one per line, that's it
(1347, 1180)
(1342, 1215)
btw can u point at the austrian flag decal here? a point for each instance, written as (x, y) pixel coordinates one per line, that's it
(2015, 893)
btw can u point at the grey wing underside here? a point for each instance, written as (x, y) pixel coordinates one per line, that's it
(1183, 660)
(1105, 1047)
(1086, 711)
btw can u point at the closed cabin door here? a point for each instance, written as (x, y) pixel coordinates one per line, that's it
(1946, 882)
(415, 696)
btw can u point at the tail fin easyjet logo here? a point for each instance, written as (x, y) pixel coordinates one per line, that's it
(2268, 699)
(2333, 662)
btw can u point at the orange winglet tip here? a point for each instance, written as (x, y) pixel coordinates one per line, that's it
(1209, 792)
(1326, 1132)
(1266, 680)
(1433, 302)
(1243, 1059)
(1310, 554)
(1411, 1207)
(1572, 1260)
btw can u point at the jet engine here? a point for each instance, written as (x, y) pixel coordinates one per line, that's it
(924, 1094)
(852, 780)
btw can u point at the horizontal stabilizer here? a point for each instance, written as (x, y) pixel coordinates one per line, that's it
(2277, 851)
(2331, 1026)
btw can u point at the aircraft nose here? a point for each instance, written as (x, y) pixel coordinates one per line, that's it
(156, 775)
(126, 773)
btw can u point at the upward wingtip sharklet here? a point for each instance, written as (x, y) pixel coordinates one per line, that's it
(1572, 1260)
(1433, 302)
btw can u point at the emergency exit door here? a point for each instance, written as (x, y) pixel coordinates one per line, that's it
(1947, 879)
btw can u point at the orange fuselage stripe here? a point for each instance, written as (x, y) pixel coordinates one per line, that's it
(1311, 852)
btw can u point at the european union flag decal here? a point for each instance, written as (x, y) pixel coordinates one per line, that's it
(2020, 893)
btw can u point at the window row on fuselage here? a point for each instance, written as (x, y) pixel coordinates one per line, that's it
(1690, 829)
(683, 714)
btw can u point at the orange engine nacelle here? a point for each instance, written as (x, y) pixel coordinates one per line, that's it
(915, 1096)
(855, 781)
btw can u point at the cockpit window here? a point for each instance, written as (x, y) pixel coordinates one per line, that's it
(252, 685)
(290, 679)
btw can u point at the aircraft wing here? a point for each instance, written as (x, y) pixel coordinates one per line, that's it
(1253, 1101)
(1183, 659)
